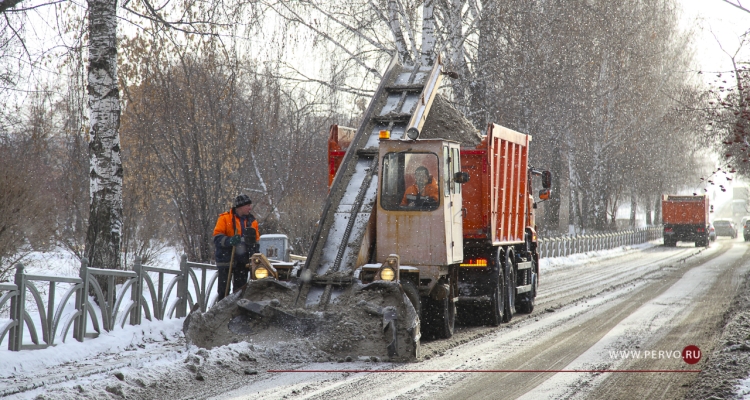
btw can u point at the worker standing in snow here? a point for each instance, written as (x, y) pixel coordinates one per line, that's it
(236, 237)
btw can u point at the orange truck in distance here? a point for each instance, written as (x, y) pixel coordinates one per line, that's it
(685, 219)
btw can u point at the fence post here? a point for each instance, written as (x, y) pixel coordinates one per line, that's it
(571, 245)
(135, 292)
(182, 286)
(79, 326)
(17, 311)
(584, 243)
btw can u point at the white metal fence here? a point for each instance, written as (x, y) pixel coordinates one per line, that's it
(566, 245)
(160, 293)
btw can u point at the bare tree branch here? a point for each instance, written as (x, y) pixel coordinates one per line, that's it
(738, 5)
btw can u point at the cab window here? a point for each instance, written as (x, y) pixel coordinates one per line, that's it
(410, 182)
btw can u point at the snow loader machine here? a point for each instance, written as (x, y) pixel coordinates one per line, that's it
(390, 265)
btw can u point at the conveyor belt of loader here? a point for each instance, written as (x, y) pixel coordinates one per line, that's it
(401, 101)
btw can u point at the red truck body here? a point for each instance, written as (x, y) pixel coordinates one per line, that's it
(685, 218)
(496, 196)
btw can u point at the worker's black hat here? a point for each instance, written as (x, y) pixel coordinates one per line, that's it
(241, 200)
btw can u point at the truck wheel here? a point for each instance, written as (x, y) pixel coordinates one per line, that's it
(510, 288)
(525, 301)
(497, 304)
(498, 297)
(439, 317)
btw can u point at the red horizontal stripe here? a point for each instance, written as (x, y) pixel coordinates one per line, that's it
(483, 370)
(474, 152)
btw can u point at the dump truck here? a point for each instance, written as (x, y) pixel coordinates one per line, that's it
(685, 219)
(427, 220)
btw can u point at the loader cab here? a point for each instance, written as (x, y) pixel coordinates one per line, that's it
(419, 213)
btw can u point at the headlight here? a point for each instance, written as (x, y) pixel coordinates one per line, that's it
(387, 274)
(261, 273)
(412, 133)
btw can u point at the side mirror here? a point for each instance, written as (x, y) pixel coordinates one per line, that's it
(546, 180)
(712, 208)
(461, 177)
(544, 194)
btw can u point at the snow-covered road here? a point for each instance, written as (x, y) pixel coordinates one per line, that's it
(626, 309)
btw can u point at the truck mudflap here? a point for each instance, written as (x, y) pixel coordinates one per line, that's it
(363, 321)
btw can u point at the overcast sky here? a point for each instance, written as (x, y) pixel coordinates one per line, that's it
(716, 19)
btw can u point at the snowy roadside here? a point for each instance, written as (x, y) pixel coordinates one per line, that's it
(153, 360)
(726, 375)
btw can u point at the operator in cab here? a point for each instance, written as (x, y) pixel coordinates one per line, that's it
(423, 194)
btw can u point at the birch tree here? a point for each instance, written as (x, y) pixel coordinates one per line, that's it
(105, 213)
(105, 219)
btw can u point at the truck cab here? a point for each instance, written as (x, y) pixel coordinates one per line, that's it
(419, 208)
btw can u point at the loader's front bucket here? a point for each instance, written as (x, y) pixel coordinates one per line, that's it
(374, 320)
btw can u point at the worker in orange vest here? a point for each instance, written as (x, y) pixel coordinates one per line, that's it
(236, 238)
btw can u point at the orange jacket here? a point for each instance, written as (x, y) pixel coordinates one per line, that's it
(225, 229)
(430, 190)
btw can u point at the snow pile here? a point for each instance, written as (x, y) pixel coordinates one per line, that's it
(743, 389)
(350, 326)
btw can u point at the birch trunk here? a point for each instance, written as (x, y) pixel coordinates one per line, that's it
(398, 35)
(105, 219)
(428, 33)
